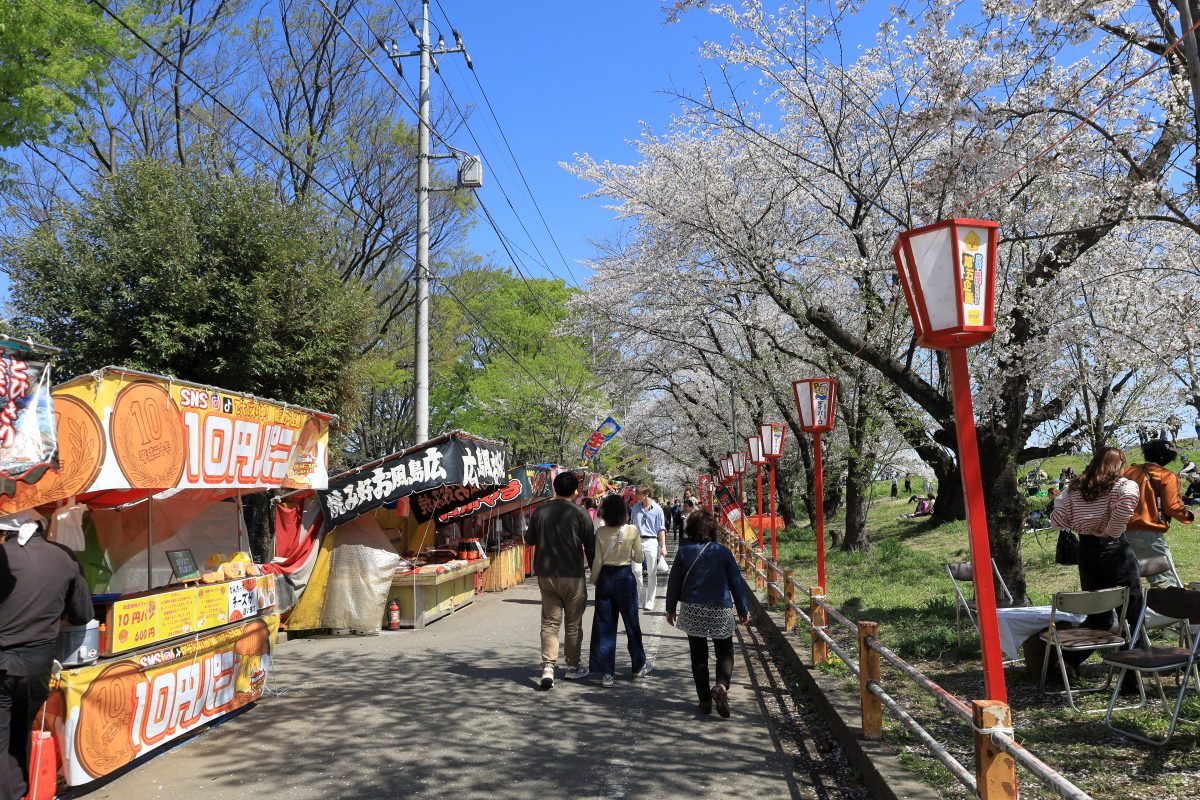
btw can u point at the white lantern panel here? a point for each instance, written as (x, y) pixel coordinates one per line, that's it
(934, 254)
(804, 399)
(755, 449)
(973, 247)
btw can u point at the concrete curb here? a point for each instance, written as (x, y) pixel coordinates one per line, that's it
(882, 773)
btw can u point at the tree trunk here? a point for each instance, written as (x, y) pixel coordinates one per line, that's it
(1005, 513)
(949, 505)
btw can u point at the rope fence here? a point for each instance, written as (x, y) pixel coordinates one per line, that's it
(993, 776)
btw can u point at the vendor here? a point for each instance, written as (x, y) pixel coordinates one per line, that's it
(39, 582)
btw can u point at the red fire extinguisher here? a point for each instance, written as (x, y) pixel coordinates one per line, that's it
(394, 616)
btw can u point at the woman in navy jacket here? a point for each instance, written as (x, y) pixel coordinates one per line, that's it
(702, 580)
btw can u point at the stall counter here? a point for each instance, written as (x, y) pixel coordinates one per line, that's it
(427, 596)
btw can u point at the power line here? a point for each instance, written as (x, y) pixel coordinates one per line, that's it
(513, 155)
(290, 160)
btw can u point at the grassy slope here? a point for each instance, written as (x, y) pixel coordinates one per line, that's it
(902, 584)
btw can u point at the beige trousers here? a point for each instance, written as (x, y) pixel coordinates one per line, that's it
(558, 595)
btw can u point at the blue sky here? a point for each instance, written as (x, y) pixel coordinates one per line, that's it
(562, 78)
(566, 78)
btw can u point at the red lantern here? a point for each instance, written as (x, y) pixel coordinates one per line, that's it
(739, 462)
(948, 273)
(816, 400)
(772, 434)
(756, 450)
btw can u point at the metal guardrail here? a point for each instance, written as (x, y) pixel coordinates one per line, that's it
(990, 721)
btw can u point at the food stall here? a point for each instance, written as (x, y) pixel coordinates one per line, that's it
(151, 474)
(394, 502)
(498, 522)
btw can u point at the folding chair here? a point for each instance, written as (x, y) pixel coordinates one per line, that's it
(1170, 602)
(963, 572)
(1077, 639)
(1159, 565)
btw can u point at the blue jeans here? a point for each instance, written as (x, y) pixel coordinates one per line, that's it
(616, 593)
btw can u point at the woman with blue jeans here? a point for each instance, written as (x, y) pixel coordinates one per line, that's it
(618, 546)
(703, 579)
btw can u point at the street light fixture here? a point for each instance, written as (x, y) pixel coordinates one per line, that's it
(772, 434)
(816, 400)
(948, 274)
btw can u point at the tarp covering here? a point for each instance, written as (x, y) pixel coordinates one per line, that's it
(361, 567)
(438, 476)
(298, 533)
(179, 521)
(122, 433)
(28, 438)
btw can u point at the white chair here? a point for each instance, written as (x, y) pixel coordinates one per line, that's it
(962, 572)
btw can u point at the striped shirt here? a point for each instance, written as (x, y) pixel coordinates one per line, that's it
(1105, 516)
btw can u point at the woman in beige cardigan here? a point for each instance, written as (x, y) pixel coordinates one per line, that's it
(617, 547)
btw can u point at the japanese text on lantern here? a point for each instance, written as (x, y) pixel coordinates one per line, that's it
(972, 278)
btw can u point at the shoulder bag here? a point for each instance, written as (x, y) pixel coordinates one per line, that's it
(598, 564)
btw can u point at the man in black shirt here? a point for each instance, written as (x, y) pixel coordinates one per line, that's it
(562, 532)
(39, 582)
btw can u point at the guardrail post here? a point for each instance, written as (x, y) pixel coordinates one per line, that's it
(868, 670)
(772, 578)
(820, 650)
(789, 599)
(995, 770)
(761, 565)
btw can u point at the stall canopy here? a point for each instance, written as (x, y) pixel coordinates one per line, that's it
(122, 434)
(525, 484)
(437, 476)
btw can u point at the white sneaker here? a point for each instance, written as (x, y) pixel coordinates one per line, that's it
(547, 677)
(649, 606)
(607, 681)
(645, 670)
(575, 673)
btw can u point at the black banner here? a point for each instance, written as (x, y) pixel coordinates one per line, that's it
(729, 504)
(439, 476)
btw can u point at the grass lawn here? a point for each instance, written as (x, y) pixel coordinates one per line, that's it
(902, 584)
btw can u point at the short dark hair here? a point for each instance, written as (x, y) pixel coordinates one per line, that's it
(1159, 451)
(613, 511)
(565, 484)
(687, 501)
(702, 527)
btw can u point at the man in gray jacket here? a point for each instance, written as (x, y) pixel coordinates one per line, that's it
(563, 534)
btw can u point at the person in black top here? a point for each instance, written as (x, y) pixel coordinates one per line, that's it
(39, 582)
(563, 533)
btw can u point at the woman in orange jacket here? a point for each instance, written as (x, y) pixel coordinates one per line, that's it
(1160, 500)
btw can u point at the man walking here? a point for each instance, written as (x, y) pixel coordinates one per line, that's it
(563, 534)
(647, 516)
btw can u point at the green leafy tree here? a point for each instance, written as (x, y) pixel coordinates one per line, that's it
(521, 379)
(52, 58)
(204, 277)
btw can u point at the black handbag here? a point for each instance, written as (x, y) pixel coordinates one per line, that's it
(1067, 551)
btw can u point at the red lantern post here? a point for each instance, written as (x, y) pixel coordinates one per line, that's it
(757, 459)
(771, 434)
(948, 274)
(816, 400)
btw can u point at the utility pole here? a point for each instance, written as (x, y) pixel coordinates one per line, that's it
(425, 52)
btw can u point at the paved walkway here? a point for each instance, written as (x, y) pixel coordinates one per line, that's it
(454, 711)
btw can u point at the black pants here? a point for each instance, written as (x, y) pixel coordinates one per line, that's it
(20, 699)
(699, 650)
(1103, 564)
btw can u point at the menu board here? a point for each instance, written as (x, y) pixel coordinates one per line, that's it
(212, 606)
(141, 621)
(176, 614)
